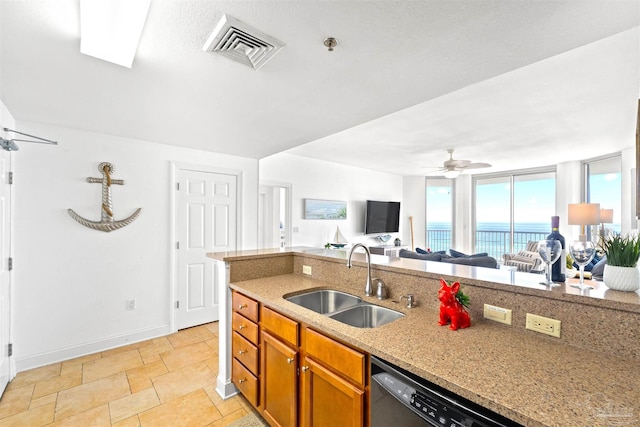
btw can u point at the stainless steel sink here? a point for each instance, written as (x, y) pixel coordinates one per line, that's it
(366, 316)
(324, 301)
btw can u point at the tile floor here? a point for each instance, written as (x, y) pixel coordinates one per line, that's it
(168, 381)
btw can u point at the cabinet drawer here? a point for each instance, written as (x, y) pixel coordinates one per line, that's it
(245, 327)
(342, 359)
(280, 325)
(246, 306)
(246, 382)
(245, 352)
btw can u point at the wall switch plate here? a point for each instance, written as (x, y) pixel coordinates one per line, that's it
(544, 325)
(498, 314)
(306, 269)
(131, 304)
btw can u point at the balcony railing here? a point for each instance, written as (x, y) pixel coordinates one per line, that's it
(495, 243)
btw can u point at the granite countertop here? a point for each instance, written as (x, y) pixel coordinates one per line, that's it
(531, 380)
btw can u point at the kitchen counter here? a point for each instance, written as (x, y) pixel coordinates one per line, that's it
(530, 380)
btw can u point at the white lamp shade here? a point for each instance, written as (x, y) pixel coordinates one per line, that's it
(451, 174)
(584, 214)
(606, 216)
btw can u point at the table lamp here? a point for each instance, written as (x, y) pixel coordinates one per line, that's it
(606, 217)
(584, 214)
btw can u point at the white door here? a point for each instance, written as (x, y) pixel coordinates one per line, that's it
(5, 275)
(206, 222)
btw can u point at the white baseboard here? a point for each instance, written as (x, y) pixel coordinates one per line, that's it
(225, 388)
(30, 362)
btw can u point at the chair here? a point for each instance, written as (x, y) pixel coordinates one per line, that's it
(528, 260)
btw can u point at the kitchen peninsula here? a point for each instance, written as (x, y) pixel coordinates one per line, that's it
(590, 376)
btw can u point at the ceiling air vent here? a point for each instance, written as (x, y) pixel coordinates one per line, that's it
(240, 42)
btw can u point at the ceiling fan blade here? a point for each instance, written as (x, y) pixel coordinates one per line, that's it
(477, 165)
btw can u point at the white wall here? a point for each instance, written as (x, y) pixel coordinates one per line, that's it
(72, 282)
(316, 179)
(414, 201)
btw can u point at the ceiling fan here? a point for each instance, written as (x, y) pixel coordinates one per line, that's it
(452, 167)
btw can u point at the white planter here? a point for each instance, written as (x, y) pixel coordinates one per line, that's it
(621, 278)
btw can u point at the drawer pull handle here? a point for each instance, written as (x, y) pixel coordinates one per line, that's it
(241, 327)
(241, 306)
(241, 352)
(305, 368)
(290, 360)
(242, 380)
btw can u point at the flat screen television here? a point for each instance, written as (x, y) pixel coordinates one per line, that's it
(381, 217)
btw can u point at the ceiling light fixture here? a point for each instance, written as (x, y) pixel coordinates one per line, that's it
(330, 42)
(451, 174)
(110, 29)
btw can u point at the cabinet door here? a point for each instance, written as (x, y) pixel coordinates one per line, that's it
(327, 399)
(279, 382)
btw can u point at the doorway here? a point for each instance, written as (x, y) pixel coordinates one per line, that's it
(274, 215)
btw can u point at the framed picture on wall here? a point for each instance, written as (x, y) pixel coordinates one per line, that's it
(325, 209)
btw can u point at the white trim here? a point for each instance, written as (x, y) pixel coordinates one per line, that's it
(288, 207)
(23, 364)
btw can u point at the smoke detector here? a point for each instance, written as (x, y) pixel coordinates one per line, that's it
(242, 43)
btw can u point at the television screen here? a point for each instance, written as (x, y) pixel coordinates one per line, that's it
(382, 217)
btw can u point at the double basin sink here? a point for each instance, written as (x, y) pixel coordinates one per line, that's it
(345, 308)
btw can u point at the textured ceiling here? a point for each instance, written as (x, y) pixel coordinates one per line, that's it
(500, 81)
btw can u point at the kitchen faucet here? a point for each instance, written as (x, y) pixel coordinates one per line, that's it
(368, 288)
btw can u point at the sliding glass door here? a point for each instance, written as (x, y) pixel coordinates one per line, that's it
(439, 214)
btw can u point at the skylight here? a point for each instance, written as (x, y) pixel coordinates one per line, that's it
(110, 29)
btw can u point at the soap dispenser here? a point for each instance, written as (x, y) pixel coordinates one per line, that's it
(381, 292)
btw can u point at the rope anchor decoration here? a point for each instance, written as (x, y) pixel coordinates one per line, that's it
(106, 223)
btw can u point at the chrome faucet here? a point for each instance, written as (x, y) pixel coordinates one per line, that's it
(368, 287)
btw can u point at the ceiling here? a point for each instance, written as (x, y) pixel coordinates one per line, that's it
(512, 83)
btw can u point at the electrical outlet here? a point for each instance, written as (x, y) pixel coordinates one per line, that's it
(131, 304)
(306, 269)
(499, 314)
(544, 325)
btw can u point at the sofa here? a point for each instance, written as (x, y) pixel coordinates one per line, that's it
(528, 260)
(476, 260)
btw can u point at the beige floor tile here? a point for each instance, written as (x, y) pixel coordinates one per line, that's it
(213, 394)
(228, 406)
(125, 348)
(148, 371)
(234, 416)
(152, 352)
(68, 368)
(186, 380)
(187, 355)
(194, 409)
(40, 416)
(91, 395)
(213, 364)
(190, 336)
(56, 384)
(81, 360)
(131, 405)
(212, 327)
(213, 343)
(129, 422)
(35, 375)
(138, 386)
(15, 400)
(96, 417)
(107, 366)
(44, 400)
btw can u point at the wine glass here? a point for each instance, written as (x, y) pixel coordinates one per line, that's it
(582, 253)
(549, 251)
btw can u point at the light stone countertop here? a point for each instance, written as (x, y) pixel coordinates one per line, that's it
(531, 380)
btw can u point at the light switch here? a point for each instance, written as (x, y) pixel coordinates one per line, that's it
(499, 314)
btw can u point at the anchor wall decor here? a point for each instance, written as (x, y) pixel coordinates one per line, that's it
(106, 223)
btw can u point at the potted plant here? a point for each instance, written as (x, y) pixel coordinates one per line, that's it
(621, 271)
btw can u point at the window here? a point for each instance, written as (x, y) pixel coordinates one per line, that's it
(513, 209)
(603, 184)
(439, 213)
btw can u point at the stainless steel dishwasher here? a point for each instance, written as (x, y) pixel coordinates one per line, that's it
(399, 398)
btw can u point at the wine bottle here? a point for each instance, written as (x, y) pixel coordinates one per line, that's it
(559, 268)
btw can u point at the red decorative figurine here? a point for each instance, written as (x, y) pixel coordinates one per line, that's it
(450, 307)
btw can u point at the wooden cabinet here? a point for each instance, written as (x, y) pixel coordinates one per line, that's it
(333, 383)
(293, 375)
(244, 347)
